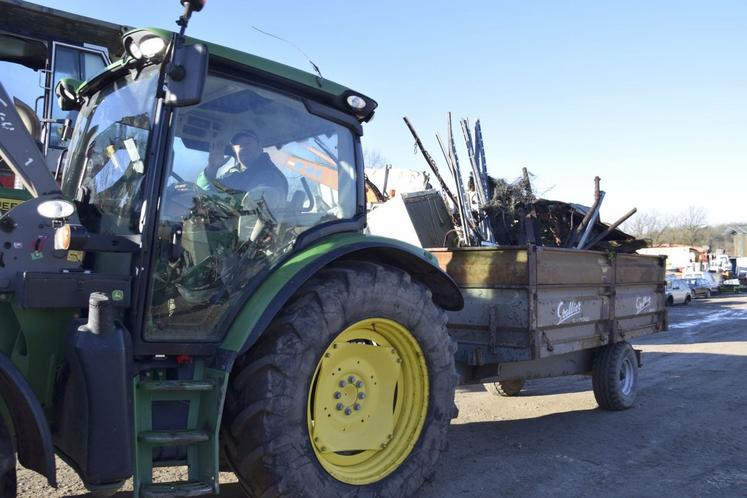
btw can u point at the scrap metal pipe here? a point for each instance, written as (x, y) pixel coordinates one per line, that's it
(573, 237)
(430, 161)
(593, 219)
(609, 230)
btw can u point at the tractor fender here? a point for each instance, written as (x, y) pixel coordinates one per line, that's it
(266, 301)
(33, 437)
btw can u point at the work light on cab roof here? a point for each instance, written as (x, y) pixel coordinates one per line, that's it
(144, 47)
(356, 102)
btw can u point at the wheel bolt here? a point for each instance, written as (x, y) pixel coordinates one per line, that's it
(339, 406)
(338, 395)
(351, 379)
(342, 383)
(361, 395)
(348, 411)
(357, 407)
(359, 384)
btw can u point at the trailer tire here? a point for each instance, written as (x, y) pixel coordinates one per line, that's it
(670, 301)
(687, 300)
(615, 376)
(505, 388)
(8, 481)
(271, 399)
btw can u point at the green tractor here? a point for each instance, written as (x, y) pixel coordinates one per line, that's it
(198, 290)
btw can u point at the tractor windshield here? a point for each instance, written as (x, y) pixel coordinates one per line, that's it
(106, 170)
(250, 170)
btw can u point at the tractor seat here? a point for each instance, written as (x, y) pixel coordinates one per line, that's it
(30, 120)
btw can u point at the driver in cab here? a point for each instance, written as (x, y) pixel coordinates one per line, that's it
(252, 171)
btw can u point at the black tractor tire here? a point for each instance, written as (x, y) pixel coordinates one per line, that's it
(615, 376)
(505, 388)
(8, 481)
(265, 431)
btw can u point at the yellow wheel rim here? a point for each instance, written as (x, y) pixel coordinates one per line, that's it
(367, 401)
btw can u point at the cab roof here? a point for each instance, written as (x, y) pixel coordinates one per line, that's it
(230, 59)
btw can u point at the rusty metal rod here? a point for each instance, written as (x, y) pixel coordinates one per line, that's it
(575, 234)
(609, 230)
(459, 205)
(430, 161)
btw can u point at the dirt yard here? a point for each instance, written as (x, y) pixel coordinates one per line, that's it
(686, 435)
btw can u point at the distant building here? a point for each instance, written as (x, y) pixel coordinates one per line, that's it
(679, 258)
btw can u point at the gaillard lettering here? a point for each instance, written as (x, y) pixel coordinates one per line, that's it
(566, 312)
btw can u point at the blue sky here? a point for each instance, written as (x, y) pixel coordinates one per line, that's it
(649, 95)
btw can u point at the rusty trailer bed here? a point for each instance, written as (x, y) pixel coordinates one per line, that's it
(538, 312)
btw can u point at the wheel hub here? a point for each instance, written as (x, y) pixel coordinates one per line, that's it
(356, 414)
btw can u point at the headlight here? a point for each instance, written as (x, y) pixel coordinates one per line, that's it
(144, 47)
(56, 209)
(150, 47)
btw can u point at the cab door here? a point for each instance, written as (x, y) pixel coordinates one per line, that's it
(68, 61)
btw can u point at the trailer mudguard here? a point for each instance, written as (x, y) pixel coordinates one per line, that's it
(264, 303)
(33, 437)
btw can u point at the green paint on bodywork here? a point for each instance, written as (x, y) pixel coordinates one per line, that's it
(38, 347)
(261, 298)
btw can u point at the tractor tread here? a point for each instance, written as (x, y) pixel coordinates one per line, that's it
(264, 431)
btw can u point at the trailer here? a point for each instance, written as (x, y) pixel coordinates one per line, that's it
(532, 312)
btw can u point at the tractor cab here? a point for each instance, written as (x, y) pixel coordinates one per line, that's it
(212, 217)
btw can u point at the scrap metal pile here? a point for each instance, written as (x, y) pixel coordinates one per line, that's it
(488, 211)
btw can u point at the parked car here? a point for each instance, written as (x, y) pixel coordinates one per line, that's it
(714, 279)
(700, 287)
(678, 292)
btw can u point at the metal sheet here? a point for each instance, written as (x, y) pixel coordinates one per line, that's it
(485, 267)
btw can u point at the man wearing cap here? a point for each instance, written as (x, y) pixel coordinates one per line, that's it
(252, 169)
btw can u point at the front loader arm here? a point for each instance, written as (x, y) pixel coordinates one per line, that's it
(21, 153)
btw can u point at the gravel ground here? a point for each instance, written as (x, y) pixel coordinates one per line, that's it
(686, 435)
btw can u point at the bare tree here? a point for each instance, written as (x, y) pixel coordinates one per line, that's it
(650, 225)
(373, 158)
(692, 225)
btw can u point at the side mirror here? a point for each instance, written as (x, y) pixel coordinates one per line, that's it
(67, 94)
(186, 74)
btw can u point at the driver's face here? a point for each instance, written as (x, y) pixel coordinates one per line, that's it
(247, 149)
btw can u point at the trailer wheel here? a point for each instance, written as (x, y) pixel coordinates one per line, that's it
(670, 301)
(615, 376)
(351, 389)
(505, 387)
(8, 481)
